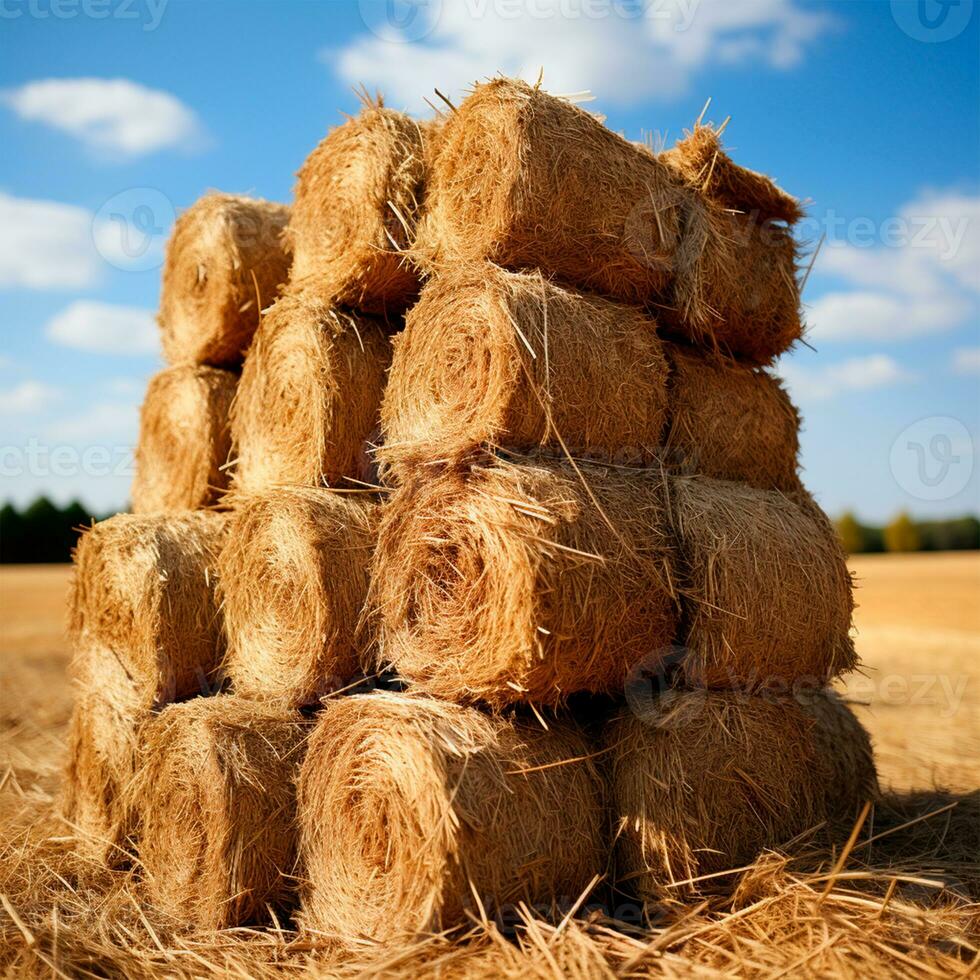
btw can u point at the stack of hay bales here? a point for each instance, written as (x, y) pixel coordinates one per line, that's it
(503, 435)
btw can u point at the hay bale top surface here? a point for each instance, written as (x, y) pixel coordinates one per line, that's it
(225, 262)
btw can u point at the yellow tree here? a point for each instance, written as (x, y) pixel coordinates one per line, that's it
(851, 533)
(902, 534)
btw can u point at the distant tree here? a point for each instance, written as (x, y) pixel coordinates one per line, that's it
(902, 534)
(851, 533)
(956, 534)
(13, 536)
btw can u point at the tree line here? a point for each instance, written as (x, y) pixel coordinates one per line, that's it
(903, 533)
(41, 532)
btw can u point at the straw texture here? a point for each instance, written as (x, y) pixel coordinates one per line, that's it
(184, 440)
(524, 580)
(306, 409)
(225, 262)
(415, 811)
(294, 578)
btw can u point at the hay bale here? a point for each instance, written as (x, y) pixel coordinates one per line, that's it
(411, 806)
(225, 262)
(767, 594)
(144, 589)
(216, 807)
(529, 180)
(185, 439)
(702, 782)
(504, 358)
(306, 409)
(294, 575)
(730, 422)
(524, 580)
(357, 201)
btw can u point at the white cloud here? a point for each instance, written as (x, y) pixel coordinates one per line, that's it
(855, 374)
(600, 45)
(104, 328)
(28, 398)
(108, 113)
(917, 274)
(966, 360)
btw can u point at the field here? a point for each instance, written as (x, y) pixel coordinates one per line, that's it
(901, 904)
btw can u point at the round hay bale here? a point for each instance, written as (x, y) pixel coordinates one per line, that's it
(294, 575)
(526, 179)
(215, 801)
(357, 200)
(490, 357)
(307, 405)
(730, 422)
(409, 807)
(766, 590)
(185, 439)
(144, 588)
(702, 782)
(225, 262)
(524, 581)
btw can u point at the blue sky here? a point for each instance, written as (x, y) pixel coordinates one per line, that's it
(115, 114)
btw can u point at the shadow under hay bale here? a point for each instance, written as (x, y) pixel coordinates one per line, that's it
(414, 812)
(216, 810)
(294, 575)
(730, 422)
(703, 781)
(526, 179)
(144, 590)
(225, 262)
(765, 588)
(495, 357)
(308, 401)
(184, 440)
(357, 201)
(524, 580)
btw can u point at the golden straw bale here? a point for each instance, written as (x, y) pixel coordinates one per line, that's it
(144, 589)
(357, 201)
(225, 261)
(185, 439)
(703, 781)
(294, 575)
(505, 358)
(526, 179)
(308, 401)
(215, 801)
(415, 811)
(730, 422)
(524, 580)
(766, 589)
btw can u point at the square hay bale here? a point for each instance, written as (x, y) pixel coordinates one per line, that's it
(526, 179)
(358, 197)
(702, 782)
(730, 422)
(524, 580)
(307, 407)
(215, 803)
(184, 440)
(294, 576)
(225, 262)
(415, 813)
(144, 590)
(490, 357)
(766, 591)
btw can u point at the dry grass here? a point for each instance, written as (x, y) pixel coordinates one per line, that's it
(902, 905)
(185, 439)
(225, 262)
